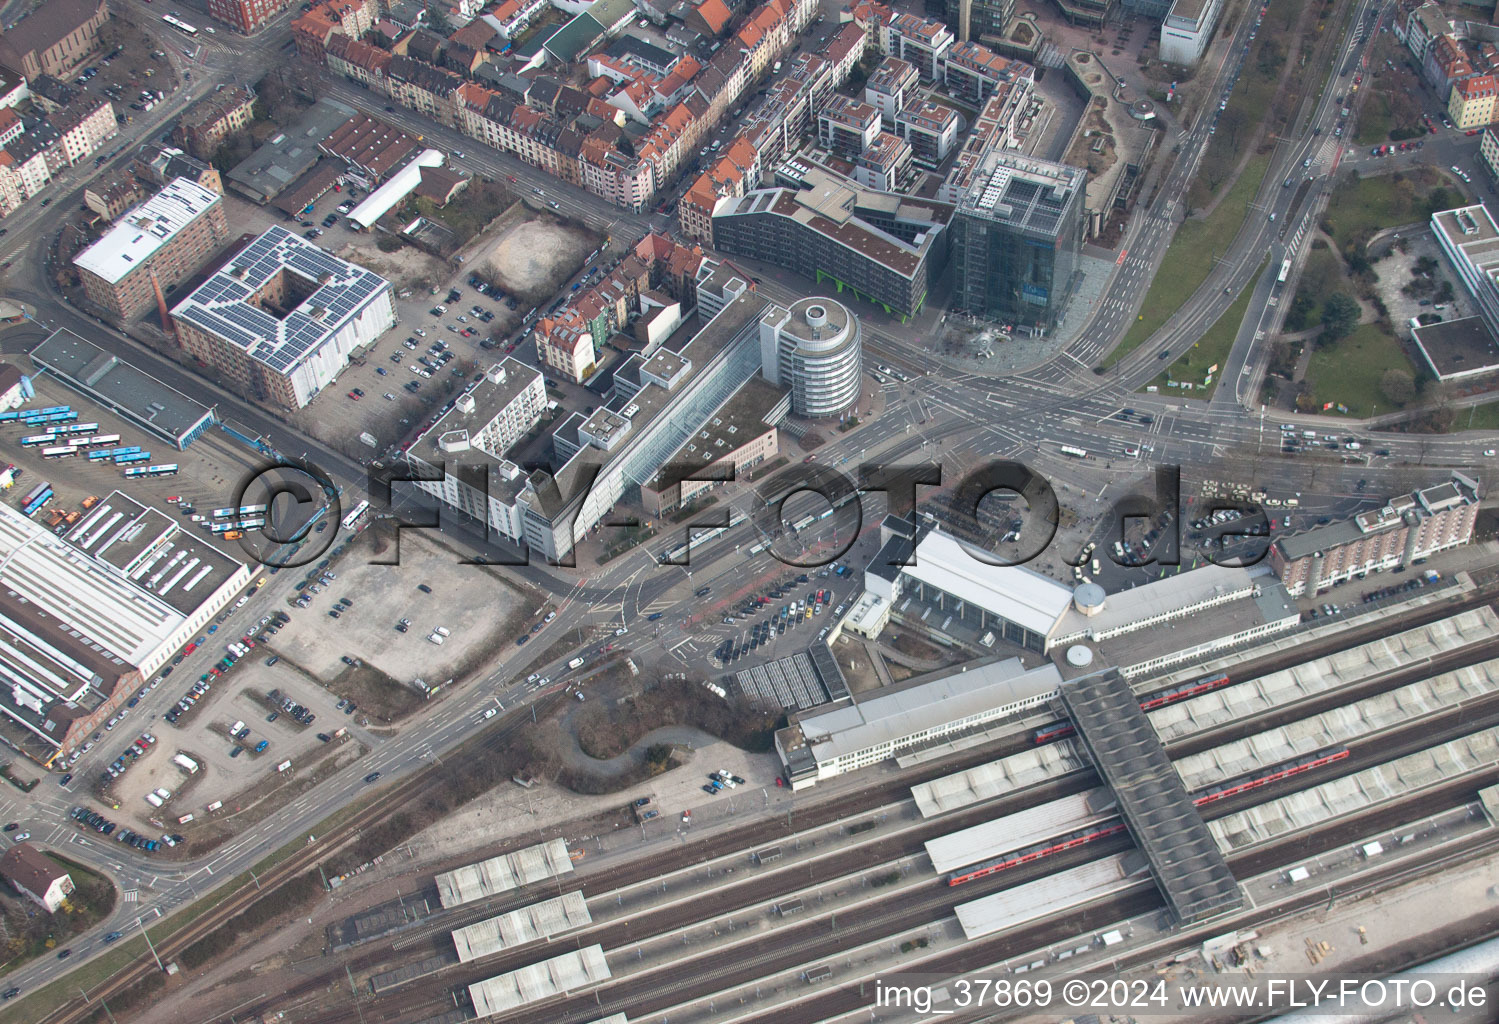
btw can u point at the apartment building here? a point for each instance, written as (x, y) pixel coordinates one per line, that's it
(1411, 526)
(246, 16)
(204, 126)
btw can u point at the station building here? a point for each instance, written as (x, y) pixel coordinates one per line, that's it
(859, 731)
(87, 618)
(1170, 621)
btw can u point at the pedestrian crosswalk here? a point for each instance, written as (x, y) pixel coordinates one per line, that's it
(131, 896)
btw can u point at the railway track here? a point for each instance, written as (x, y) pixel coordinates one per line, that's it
(914, 905)
(413, 789)
(390, 801)
(697, 977)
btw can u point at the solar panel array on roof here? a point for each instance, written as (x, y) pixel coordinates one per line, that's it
(221, 304)
(1186, 862)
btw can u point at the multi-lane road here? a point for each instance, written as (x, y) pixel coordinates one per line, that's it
(960, 415)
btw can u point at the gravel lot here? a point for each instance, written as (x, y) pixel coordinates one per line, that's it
(479, 609)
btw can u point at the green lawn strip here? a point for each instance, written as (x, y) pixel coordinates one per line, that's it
(1349, 371)
(1478, 417)
(1190, 258)
(1209, 350)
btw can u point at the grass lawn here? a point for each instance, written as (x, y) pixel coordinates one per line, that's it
(1372, 204)
(1375, 119)
(1190, 258)
(1349, 371)
(1210, 350)
(1479, 417)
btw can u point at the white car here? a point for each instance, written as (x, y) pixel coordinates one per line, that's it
(1490, 452)
(621, 631)
(490, 713)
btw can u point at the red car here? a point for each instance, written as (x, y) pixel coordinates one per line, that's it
(1471, 131)
(190, 648)
(353, 396)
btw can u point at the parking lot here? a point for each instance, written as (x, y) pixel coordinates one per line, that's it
(444, 338)
(478, 608)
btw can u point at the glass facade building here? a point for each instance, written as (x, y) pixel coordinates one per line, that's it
(1016, 236)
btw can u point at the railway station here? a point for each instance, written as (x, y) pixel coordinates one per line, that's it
(503, 873)
(1186, 863)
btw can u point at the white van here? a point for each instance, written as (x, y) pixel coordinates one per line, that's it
(575, 663)
(186, 763)
(235, 728)
(442, 631)
(435, 638)
(153, 799)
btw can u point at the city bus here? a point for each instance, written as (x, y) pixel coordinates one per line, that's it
(39, 496)
(180, 26)
(1285, 272)
(354, 516)
(65, 451)
(117, 452)
(1076, 453)
(79, 428)
(97, 441)
(165, 469)
(126, 460)
(252, 510)
(36, 439)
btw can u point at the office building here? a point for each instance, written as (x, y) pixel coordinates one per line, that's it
(1187, 29)
(1411, 526)
(1017, 232)
(741, 435)
(158, 244)
(878, 246)
(282, 318)
(814, 349)
(1467, 237)
(461, 458)
(659, 404)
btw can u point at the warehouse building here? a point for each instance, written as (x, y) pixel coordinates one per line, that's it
(1411, 526)
(282, 318)
(859, 731)
(126, 390)
(87, 618)
(156, 245)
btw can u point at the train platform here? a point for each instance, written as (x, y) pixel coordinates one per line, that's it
(1339, 726)
(557, 976)
(1187, 865)
(996, 778)
(1357, 793)
(1020, 830)
(1049, 896)
(531, 923)
(1322, 675)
